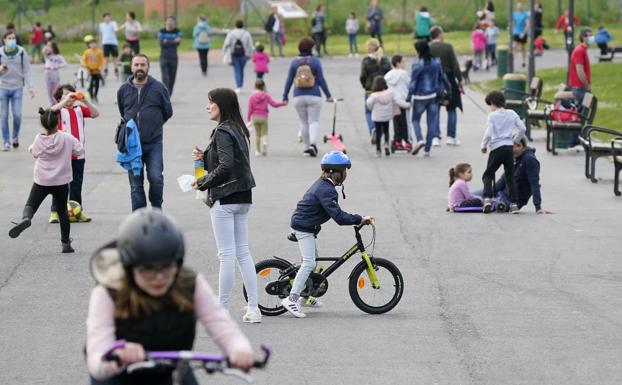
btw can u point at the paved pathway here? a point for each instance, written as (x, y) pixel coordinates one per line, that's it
(494, 299)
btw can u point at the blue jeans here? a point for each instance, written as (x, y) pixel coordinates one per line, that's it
(230, 226)
(238, 63)
(13, 96)
(154, 163)
(352, 43)
(370, 123)
(430, 107)
(452, 122)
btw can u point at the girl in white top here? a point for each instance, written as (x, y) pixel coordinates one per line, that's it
(53, 62)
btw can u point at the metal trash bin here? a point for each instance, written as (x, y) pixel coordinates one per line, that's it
(502, 62)
(514, 86)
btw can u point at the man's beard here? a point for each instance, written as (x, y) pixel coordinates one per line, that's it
(140, 75)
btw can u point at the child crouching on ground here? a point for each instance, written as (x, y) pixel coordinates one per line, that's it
(459, 194)
(258, 114)
(52, 151)
(498, 138)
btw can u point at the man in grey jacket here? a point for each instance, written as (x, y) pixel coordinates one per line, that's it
(238, 47)
(14, 75)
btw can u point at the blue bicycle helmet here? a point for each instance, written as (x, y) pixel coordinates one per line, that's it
(335, 160)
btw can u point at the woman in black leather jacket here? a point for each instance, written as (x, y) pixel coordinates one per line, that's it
(229, 181)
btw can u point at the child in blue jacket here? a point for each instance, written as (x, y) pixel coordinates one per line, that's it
(602, 38)
(318, 205)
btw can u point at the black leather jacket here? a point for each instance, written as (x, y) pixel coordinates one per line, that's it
(227, 163)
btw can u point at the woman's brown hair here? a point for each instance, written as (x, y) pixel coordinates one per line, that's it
(336, 176)
(454, 172)
(131, 302)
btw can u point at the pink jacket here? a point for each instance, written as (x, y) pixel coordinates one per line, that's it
(258, 104)
(458, 193)
(478, 40)
(100, 328)
(261, 61)
(52, 155)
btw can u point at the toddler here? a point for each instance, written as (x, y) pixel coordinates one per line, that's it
(459, 194)
(261, 60)
(478, 42)
(93, 60)
(492, 33)
(126, 62)
(258, 115)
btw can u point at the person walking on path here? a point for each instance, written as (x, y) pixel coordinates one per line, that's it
(237, 49)
(258, 115)
(261, 60)
(423, 22)
(580, 74)
(229, 183)
(201, 42)
(147, 101)
(93, 60)
(319, 31)
(352, 29)
(375, 16)
(71, 121)
(445, 52)
(273, 29)
(52, 151)
(374, 64)
(133, 29)
(36, 44)
(53, 62)
(398, 80)
(520, 29)
(307, 77)
(109, 42)
(169, 39)
(14, 75)
(427, 86)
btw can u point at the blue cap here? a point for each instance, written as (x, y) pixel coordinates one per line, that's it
(335, 160)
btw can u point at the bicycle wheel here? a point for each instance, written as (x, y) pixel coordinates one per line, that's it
(268, 271)
(382, 299)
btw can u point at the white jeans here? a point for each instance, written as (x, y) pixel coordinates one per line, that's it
(308, 249)
(308, 108)
(230, 225)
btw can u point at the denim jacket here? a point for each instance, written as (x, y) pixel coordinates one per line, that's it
(427, 79)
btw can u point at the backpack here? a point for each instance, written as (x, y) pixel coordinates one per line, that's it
(304, 76)
(565, 111)
(238, 48)
(203, 37)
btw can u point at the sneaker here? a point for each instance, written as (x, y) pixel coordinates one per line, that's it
(310, 302)
(116, 72)
(6, 147)
(252, 316)
(426, 154)
(378, 154)
(408, 147)
(67, 246)
(314, 151)
(238, 90)
(19, 227)
(350, 55)
(257, 153)
(83, 218)
(53, 217)
(436, 142)
(577, 148)
(452, 141)
(292, 307)
(487, 205)
(387, 152)
(514, 208)
(373, 136)
(418, 147)
(15, 143)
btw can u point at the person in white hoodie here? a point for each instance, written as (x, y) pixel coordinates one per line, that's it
(398, 80)
(52, 151)
(382, 103)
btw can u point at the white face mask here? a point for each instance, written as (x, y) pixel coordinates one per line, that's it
(11, 43)
(591, 40)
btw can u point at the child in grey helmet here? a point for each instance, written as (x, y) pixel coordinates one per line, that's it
(318, 205)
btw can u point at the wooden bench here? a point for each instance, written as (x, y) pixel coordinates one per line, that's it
(616, 146)
(586, 117)
(595, 148)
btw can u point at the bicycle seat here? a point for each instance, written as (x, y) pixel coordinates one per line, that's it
(292, 237)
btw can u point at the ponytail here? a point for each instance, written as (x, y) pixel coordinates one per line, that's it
(48, 119)
(455, 172)
(452, 176)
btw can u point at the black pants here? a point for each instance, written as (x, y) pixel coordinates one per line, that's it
(378, 36)
(75, 187)
(498, 157)
(382, 128)
(260, 75)
(603, 49)
(94, 85)
(168, 66)
(400, 126)
(475, 202)
(319, 39)
(38, 193)
(203, 60)
(134, 45)
(189, 379)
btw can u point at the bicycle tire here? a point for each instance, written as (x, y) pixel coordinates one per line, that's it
(262, 266)
(397, 284)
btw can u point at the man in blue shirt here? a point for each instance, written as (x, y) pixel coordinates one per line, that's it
(520, 29)
(169, 39)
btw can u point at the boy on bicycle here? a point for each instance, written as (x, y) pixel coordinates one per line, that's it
(318, 205)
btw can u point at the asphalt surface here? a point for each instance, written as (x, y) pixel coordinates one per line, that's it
(496, 299)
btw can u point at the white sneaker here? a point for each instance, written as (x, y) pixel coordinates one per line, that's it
(350, 55)
(258, 153)
(426, 154)
(253, 315)
(577, 148)
(238, 90)
(436, 142)
(292, 307)
(310, 302)
(452, 141)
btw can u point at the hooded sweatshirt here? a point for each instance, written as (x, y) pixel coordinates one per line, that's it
(53, 158)
(18, 73)
(398, 81)
(258, 104)
(526, 178)
(423, 22)
(383, 105)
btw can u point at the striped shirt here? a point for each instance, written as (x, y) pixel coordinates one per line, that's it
(72, 121)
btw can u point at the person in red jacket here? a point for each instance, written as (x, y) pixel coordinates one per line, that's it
(36, 43)
(563, 23)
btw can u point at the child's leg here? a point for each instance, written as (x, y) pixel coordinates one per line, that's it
(257, 124)
(378, 126)
(508, 168)
(96, 79)
(60, 195)
(264, 138)
(385, 129)
(495, 159)
(36, 197)
(472, 203)
(308, 250)
(75, 187)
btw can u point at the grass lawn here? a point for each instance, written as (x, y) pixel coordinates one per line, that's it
(607, 84)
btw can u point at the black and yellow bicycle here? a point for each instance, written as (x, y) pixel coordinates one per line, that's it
(375, 284)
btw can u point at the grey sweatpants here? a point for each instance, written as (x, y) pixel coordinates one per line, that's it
(308, 109)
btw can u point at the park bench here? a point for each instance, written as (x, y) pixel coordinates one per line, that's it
(468, 65)
(586, 115)
(595, 148)
(616, 147)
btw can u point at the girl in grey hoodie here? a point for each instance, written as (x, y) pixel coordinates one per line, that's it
(383, 103)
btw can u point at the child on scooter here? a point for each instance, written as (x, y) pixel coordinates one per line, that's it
(459, 194)
(318, 205)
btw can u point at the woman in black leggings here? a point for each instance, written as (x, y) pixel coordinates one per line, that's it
(52, 151)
